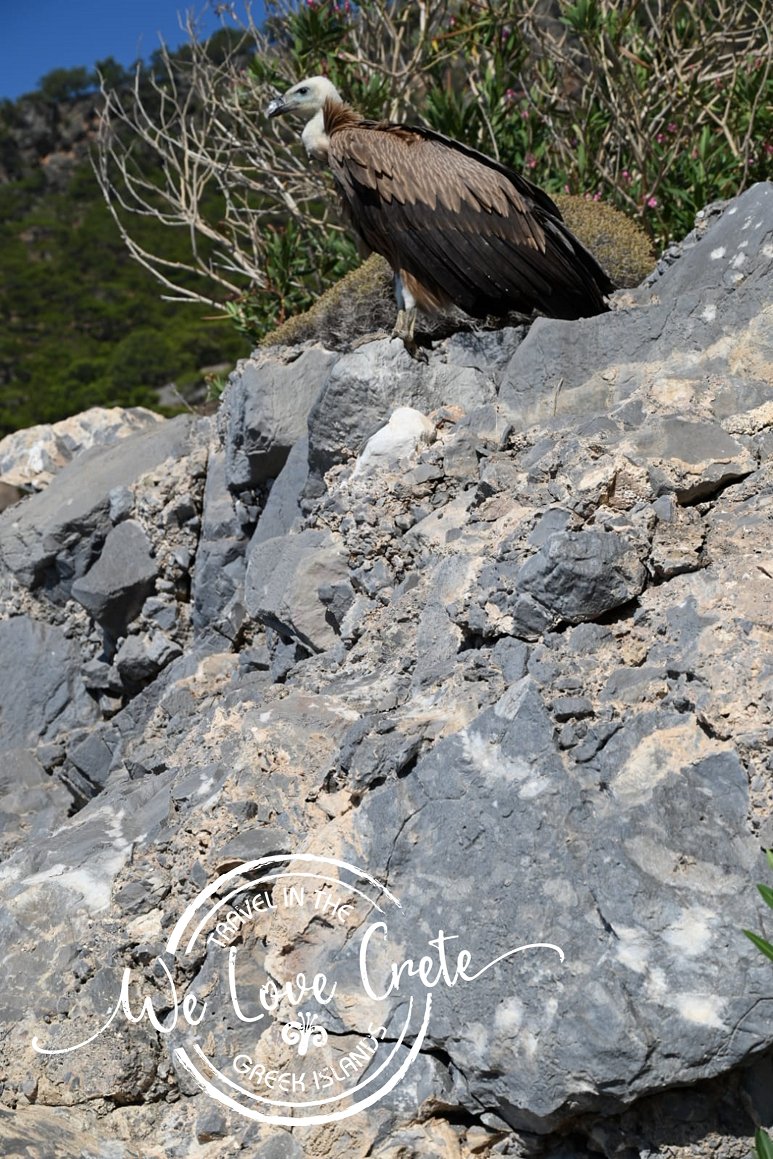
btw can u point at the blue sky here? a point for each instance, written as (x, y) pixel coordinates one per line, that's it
(37, 36)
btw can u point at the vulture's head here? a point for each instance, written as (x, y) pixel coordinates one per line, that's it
(306, 98)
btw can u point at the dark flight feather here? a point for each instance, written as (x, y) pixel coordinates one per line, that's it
(458, 226)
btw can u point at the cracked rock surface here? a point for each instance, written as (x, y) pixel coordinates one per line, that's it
(517, 666)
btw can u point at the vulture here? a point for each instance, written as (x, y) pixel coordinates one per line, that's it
(456, 226)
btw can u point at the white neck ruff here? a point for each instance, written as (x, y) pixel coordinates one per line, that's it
(314, 137)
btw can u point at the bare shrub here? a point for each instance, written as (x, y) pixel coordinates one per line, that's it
(657, 106)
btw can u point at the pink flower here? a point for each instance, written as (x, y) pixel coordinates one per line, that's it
(651, 202)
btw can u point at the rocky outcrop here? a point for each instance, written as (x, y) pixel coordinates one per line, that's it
(505, 652)
(29, 459)
(54, 135)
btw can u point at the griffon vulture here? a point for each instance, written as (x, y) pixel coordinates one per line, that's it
(455, 226)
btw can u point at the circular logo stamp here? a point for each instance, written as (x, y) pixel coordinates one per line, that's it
(288, 992)
(308, 1031)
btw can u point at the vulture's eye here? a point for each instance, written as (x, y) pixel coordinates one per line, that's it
(303, 91)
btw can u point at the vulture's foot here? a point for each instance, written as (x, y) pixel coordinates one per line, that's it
(404, 328)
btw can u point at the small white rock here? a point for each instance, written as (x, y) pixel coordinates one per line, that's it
(406, 430)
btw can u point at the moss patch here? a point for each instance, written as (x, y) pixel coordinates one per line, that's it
(618, 243)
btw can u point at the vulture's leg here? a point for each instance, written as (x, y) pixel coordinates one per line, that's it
(405, 324)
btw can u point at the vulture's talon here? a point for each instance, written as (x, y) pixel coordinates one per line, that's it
(416, 352)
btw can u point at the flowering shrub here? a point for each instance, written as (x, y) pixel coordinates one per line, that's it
(654, 106)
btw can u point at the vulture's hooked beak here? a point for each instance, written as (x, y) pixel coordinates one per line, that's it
(276, 107)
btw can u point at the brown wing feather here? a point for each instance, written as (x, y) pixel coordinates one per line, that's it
(467, 229)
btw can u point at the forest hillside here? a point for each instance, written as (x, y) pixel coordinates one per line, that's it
(81, 324)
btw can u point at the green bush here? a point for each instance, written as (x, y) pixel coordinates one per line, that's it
(654, 108)
(763, 1144)
(620, 243)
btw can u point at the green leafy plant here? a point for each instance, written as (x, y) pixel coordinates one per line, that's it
(655, 106)
(763, 1144)
(766, 893)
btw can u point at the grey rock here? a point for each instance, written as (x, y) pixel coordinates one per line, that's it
(140, 658)
(426, 473)
(579, 575)
(145, 760)
(365, 386)
(219, 569)
(255, 842)
(162, 611)
(121, 502)
(264, 412)
(460, 459)
(42, 694)
(32, 803)
(282, 510)
(109, 705)
(281, 1147)
(438, 637)
(93, 757)
(572, 707)
(180, 511)
(703, 219)
(716, 290)
(487, 351)
(511, 655)
(283, 654)
(114, 588)
(634, 685)
(55, 536)
(337, 598)
(623, 913)
(283, 581)
(100, 676)
(489, 424)
(211, 1125)
(691, 459)
(530, 617)
(371, 578)
(553, 520)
